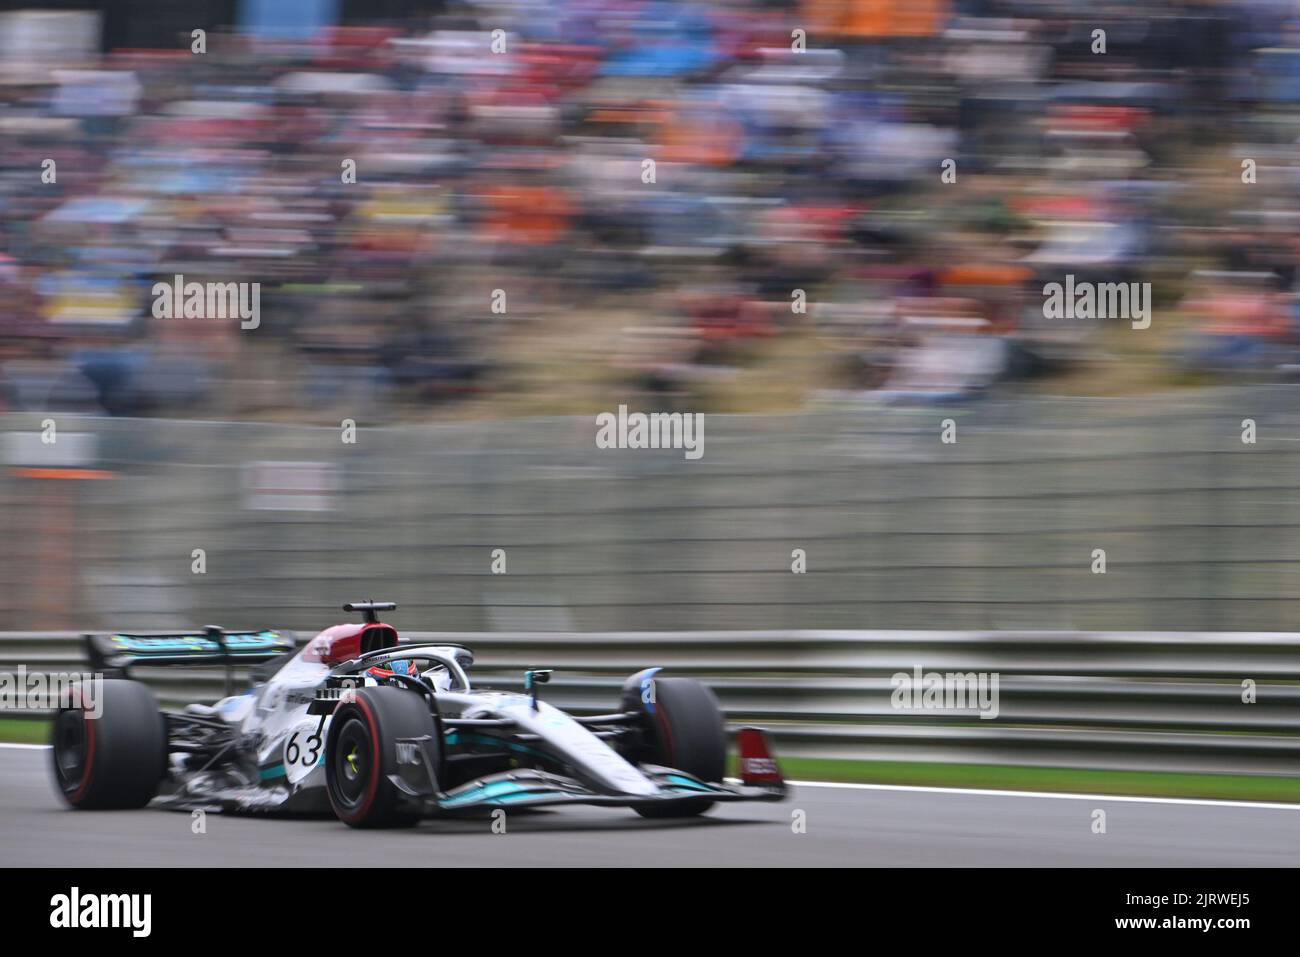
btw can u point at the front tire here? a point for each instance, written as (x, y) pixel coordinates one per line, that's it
(117, 760)
(361, 754)
(685, 731)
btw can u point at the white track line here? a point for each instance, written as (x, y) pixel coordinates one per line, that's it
(1062, 796)
(979, 792)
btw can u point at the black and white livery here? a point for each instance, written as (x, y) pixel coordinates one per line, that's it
(384, 733)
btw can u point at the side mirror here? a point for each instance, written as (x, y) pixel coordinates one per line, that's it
(534, 677)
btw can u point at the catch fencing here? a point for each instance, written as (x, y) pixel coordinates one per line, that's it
(1147, 513)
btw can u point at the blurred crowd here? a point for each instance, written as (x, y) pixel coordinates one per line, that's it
(857, 196)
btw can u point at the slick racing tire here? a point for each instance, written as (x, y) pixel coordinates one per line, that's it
(686, 732)
(361, 753)
(117, 760)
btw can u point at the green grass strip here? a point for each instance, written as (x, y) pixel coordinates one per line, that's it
(1242, 787)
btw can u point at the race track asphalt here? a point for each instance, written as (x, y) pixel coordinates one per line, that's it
(846, 826)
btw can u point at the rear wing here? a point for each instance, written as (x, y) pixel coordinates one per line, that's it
(114, 654)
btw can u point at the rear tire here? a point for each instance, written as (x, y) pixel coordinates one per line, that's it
(687, 732)
(361, 753)
(115, 761)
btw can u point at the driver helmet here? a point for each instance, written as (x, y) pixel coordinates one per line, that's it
(398, 666)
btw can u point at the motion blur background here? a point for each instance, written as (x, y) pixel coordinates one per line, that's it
(782, 176)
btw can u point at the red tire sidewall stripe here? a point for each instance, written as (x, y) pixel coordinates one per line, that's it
(662, 714)
(90, 760)
(372, 790)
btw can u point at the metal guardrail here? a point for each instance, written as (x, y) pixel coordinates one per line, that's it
(1109, 700)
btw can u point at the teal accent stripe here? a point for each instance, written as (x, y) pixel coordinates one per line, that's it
(496, 791)
(456, 738)
(274, 771)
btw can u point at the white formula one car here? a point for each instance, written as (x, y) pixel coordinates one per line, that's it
(385, 734)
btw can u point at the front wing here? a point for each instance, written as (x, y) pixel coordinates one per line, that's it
(534, 788)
